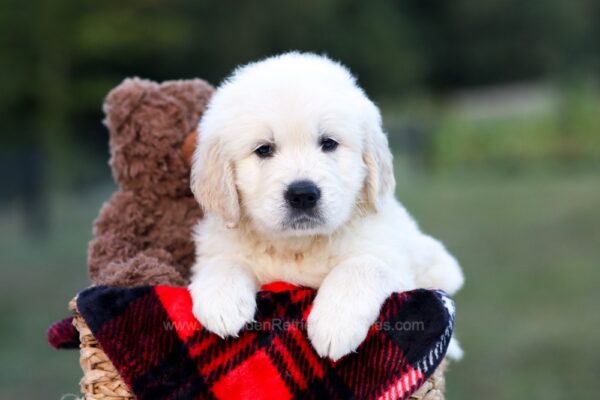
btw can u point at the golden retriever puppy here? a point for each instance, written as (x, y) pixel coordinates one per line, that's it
(296, 179)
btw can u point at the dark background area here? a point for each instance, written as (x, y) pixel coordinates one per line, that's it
(493, 114)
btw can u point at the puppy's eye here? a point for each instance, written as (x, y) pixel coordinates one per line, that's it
(264, 151)
(328, 144)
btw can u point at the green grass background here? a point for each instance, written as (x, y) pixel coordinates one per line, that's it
(527, 318)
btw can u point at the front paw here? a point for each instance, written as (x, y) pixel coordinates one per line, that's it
(335, 330)
(223, 311)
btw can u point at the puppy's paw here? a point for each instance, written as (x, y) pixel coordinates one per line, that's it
(335, 330)
(223, 311)
(454, 352)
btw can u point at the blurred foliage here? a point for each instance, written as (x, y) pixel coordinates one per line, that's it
(564, 132)
(59, 58)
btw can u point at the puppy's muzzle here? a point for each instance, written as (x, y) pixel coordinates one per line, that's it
(302, 195)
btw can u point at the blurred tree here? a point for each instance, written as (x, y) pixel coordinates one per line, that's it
(59, 58)
(474, 43)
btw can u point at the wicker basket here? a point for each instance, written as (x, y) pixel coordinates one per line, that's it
(101, 381)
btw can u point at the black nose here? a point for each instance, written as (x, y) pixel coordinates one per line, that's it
(302, 195)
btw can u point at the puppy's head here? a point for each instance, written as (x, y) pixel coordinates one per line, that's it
(292, 146)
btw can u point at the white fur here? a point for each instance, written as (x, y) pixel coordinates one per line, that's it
(366, 245)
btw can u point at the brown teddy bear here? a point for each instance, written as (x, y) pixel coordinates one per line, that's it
(143, 235)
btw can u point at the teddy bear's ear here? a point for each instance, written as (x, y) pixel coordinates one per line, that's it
(192, 95)
(189, 146)
(123, 100)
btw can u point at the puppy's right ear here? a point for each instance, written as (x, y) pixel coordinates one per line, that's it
(379, 161)
(213, 180)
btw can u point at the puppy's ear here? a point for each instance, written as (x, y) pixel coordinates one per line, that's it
(213, 181)
(379, 161)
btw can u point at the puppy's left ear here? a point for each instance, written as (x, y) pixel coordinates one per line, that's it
(213, 180)
(378, 158)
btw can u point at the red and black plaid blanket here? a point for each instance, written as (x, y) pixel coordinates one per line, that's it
(162, 352)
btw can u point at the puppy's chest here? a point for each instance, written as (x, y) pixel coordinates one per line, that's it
(300, 267)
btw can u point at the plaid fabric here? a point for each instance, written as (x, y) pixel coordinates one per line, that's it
(162, 352)
(63, 335)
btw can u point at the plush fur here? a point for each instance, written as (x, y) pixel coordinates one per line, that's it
(360, 244)
(143, 235)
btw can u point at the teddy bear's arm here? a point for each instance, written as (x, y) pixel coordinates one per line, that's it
(120, 253)
(140, 270)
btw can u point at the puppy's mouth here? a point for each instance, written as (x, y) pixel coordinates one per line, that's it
(303, 221)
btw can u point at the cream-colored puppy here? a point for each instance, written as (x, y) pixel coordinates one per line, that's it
(296, 179)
